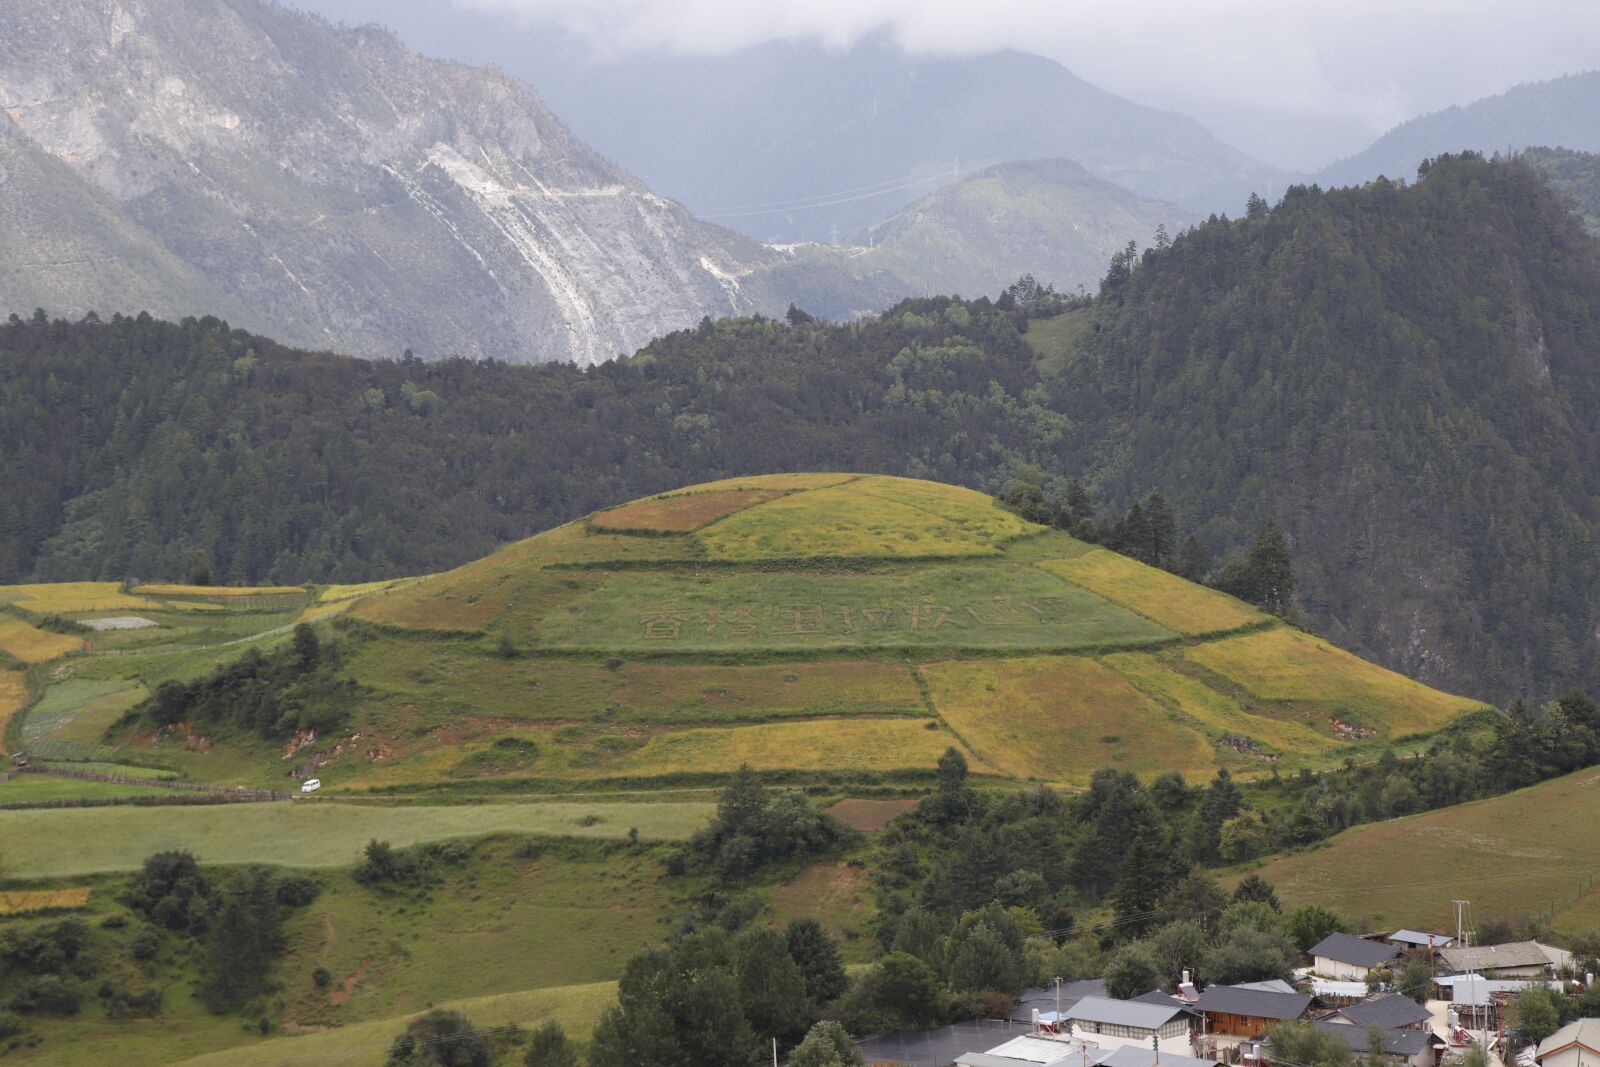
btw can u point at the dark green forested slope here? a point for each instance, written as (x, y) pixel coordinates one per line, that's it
(1575, 175)
(1405, 376)
(1408, 379)
(126, 446)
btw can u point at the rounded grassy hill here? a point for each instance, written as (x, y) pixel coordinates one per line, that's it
(827, 624)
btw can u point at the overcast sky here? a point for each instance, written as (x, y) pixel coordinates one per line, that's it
(1295, 82)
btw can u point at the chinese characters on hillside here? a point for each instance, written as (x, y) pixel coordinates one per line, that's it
(674, 621)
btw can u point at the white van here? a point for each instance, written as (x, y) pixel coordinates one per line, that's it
(311, 785)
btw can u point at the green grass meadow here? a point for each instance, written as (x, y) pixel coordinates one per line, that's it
(309, 833)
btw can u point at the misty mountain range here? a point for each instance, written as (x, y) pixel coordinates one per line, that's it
(328, 186)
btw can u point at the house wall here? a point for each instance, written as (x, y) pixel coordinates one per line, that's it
(1176, 1041)
(1570, 1056)
(1221, 1022)
(1338, 969)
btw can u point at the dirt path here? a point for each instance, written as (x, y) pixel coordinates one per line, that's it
(348, 986)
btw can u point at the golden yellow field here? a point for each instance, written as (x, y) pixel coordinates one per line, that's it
(1061, 718)
(891, 517)
(72, 597)
(812, 745)
(1286, 664)
(1155, 594)
(13, 695)
(26, 643)
(335, 594)
(218, 590)
(1151, 673)
(25, 901)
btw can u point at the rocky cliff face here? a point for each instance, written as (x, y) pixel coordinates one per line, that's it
(329, 187)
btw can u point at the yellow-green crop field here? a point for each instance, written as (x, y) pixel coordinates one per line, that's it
(1288, 665)
(30, 901)
(457, 679)
(59, 598)
(13, 697)
(1060, 718)
(873, 517)
(26, 643)
(813, 745)
(338, 594)
(217, 591)
(1218, 713)
(1155, 594)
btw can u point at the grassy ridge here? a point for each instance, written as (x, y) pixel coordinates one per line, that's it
(1537, 844)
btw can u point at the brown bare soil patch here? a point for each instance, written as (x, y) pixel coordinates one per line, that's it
(833, 891)
(861, 813)
(346, 988)
(680, 514)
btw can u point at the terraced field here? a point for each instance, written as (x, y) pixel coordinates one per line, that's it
(817, 625)
(591, 686)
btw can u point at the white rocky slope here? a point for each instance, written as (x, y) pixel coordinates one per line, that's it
(329, 187)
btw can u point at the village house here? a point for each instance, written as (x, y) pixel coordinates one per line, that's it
(1390, 1011)
(1410, 1048)
(1477, 1002)
(1351, 959)
(1517, 959)
(1236, 1011)
(1044, 1050)
(1111, 1024)
(1406, 940)
(1576, 1044)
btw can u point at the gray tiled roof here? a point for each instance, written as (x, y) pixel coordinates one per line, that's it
(1136, 1013)
(1356, 951)
(1494, 957)
(1391, 1010)
(1271, 985)
(1405, 1043)
(1258, 1003)
(1421, 938)
(1139, 1056)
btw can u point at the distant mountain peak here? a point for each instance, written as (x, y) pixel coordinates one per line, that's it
(330, 186)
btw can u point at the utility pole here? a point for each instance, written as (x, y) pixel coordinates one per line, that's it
(1058, 1002)
(1461, 907)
